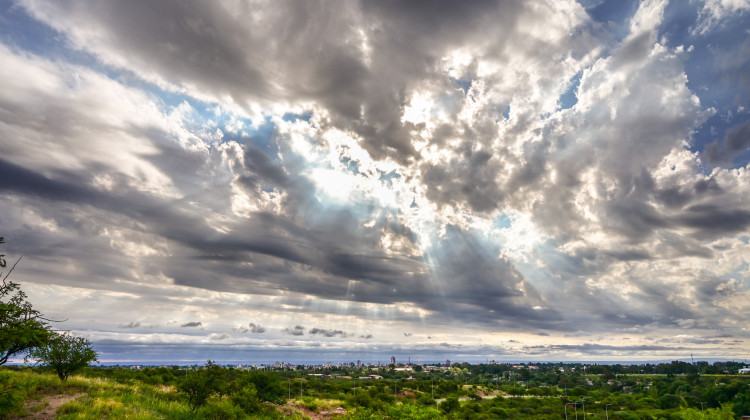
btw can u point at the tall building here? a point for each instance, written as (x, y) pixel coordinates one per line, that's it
(393, 360)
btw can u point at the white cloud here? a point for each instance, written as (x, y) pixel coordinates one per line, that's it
(714, 11)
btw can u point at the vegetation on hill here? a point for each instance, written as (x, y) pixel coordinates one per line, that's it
(546, 391)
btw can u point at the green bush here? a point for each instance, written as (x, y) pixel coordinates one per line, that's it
(450, 404)
(219, 409)
(247, 399)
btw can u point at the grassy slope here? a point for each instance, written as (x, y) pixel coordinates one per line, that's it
(102, 398)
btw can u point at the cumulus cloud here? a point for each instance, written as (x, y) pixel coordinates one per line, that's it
(256, 329)
(297, 330)
(327, 333)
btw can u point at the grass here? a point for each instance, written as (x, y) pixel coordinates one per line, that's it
(23, 393)
(102, 397)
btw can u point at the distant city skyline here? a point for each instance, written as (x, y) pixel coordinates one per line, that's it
(510, 180)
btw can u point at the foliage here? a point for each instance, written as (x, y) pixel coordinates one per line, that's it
(21, 326)
(220, 409)
(410, 411)
(236, 394)
(246, 398)
(722, 413)
(201, 384)
(65, 354)
(268, 385)
(450, 404)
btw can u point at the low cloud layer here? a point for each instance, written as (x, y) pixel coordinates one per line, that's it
(547, 174)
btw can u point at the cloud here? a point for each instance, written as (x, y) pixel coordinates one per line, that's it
(327, 333)
(191, 324)
(256, 329)
(297, 330)
(736, 141)
(390, 166)
(715, 11)
(218, 337)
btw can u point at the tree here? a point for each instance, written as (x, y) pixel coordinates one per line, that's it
(21, 326)
(65, 354)
(201, 384)
(450, 404)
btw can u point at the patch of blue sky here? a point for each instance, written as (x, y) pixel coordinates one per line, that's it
(19, 29)
(260, 136)
(388, 177)
(206, 114)
(678, 19)
(613, 16)
(506, 112)
(350, 164)
(743, 284)
(715, 73)
(502, 221)
(463, 84)
(570, 97)
(289, 116)
(717, 84)
(606, 12)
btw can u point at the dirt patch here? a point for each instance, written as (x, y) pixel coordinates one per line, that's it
(46, 407)
(321, 414)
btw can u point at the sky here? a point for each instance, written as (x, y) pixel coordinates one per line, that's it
(331, 181)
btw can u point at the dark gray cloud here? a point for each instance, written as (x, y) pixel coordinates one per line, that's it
(297, 330)
(735, 142)
(256, 329)
(327, 333)
(191, 324)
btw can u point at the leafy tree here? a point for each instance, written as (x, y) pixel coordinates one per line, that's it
(268, 386)
(65, 354)
(450, 404)
(203, 383)
(723, 413)
(21, 326)
(668, 401)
